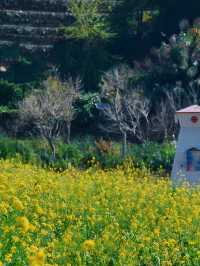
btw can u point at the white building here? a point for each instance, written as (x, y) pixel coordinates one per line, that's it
(187, 158)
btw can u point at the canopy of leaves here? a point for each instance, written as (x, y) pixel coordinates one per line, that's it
(90, 23)
(175, 66)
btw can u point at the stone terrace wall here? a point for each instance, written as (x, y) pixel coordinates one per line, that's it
(32, 24)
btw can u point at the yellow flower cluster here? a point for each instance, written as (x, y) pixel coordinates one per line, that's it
(38, 259)
(89, 245)
(94, 217)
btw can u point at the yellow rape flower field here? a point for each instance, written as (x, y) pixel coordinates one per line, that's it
(95, 217)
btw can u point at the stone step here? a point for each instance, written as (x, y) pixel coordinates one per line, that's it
(29, 30)
(26, 46)
(37, 5)
(35, 18)
(35, 39)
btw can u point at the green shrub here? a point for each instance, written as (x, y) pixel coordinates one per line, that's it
(10, 93)
(10, 148)
(153, 155)
(81, 153)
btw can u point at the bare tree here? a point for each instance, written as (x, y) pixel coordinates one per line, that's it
(163, 119)
(127, 110)
(137, 109)
(51, 108)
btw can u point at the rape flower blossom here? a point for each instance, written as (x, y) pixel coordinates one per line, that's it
(18, 204)
(89, 245)
(24, 223)
(80, 217)
(38, 259)
(8, 258)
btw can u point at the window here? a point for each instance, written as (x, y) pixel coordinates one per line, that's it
(193, 159)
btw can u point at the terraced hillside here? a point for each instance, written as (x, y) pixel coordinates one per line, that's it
(32, 24)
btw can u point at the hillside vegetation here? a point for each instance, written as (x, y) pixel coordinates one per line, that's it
(113, 70)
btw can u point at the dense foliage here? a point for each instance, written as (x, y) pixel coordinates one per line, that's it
(91, 38)
(100, 34)
(81, 152)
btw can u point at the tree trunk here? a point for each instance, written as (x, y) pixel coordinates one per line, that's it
(53, 149)
(165, 134)
(124, 144)
(68, 133)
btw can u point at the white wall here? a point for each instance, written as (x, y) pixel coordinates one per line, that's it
(189, 137)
